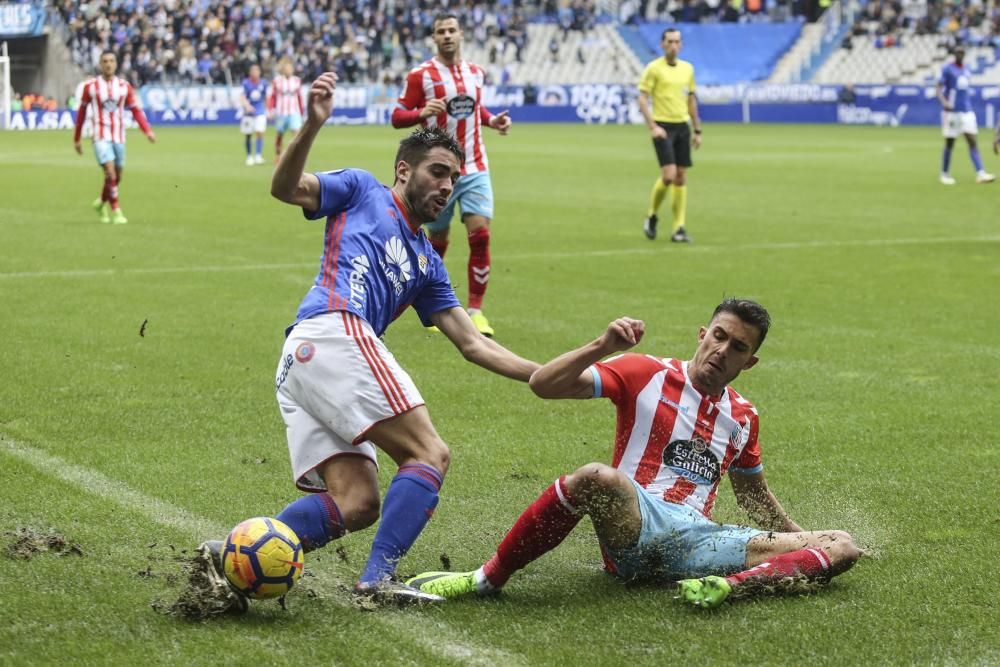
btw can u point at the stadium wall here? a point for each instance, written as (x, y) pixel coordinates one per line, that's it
(584, 103)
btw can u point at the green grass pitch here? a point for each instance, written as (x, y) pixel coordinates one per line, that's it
(877, 388)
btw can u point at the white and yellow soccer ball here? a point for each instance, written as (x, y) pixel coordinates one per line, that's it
(262, 558)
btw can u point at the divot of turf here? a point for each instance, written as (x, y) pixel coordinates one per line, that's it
(28, 543)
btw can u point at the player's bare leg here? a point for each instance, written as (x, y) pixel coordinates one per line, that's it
(678, 207)
(661, 187)
(478, 229)
(423, 458)
(982, 176)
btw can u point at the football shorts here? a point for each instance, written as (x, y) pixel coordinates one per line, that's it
(473, 193)
(955, 123)
(108, 151)
(676, 148)
(678, 542)
(251, 124)
(290, 123)
(335, 380)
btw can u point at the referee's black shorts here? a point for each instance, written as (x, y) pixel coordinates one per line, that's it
(676, 148)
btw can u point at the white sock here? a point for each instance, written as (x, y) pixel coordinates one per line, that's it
(483, 585)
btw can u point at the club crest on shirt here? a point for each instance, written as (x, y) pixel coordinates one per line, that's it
(305, 351)
(693, 460)
(461, 106)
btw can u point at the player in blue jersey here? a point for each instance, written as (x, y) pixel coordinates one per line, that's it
(957, 117)
(254, 121)
(340, 390)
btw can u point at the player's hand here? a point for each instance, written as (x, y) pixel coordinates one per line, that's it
(696, 141)
(658, 133)
(622, 334)
(78, 147)
(946, 107)
(152, 137)
(320, 101)
(501, 122)
(433, 108)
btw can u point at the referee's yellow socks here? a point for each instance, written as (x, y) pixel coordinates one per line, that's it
(678, 205)
(656, 196)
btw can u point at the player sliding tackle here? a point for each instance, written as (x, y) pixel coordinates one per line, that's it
(681, 427)
(340, 390)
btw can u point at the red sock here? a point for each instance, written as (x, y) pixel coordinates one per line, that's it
(111, 185)
(440, 247)
(479, 266)
(538, 530)
(106, 192)
(277, 146)
(810, 563)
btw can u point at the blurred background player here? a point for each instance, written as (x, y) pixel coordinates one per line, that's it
(254, 120)
(445, 92)
(681, 428)
(284, 103)
(957, 117)
(106, 97)
(668, 83)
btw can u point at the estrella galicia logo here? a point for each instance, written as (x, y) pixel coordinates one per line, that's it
(693, 460)
(304, 352)
(461, 106)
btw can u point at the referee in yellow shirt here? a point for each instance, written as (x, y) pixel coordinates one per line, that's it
(673, 115)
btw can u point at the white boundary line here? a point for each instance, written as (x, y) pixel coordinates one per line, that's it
(445, 642)
(791, 245)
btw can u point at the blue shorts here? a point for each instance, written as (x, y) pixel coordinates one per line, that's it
(474, 194)
(106, 151)
(290, 123)
(678, 542)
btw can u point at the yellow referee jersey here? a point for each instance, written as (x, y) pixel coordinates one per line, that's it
(668, 86)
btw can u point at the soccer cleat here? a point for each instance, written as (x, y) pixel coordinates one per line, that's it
(390, 593)
(707, 592)
(432, 329)
(985, 177)
(209, 592)
(680, 235)
(249, 160)
(448, 585)
(482, 324)
(117, 217)
(258, 159)
(650, 227)
(946, 179)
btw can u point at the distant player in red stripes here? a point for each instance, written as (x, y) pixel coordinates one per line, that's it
(284, 103)
(106, 97)
(681, 427)
(446, 92)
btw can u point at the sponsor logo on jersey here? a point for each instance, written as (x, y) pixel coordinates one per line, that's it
(397, 265)
(461, 106)
(677, 406)
(357, 280)
(693, 460)
(305, 351)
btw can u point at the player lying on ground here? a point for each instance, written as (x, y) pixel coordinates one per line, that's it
(340, 390)
(680, 429)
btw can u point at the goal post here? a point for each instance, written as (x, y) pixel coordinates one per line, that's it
(5, 90)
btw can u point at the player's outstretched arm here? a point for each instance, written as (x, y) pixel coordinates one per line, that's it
(567, 376)
(756, 499)
(289, 183)
(480, 350)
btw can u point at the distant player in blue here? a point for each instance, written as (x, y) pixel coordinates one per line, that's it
(340, 390)
(957, 117)
(254, 121)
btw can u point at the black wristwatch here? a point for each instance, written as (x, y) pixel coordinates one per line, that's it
(698, 131)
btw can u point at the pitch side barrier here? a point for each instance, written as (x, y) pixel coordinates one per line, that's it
(584, 103)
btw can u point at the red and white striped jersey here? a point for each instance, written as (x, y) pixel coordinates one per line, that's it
(285, 98)
(461, 88)
(673, 441)
(106, 102)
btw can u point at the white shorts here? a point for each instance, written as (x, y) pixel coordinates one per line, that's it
(954, 123)
(251, 124)
(336, 379)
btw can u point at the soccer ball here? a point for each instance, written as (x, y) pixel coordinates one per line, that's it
(262, 558)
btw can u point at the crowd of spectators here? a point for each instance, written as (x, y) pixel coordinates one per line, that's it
(32, 102)
(216, 41)
(719, 11)
(967, 22)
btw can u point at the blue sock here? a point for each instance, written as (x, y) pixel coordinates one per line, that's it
(408, 505)
(976, 160)
(315, 519)
(946, 160)
(248, 145)
(260, 145)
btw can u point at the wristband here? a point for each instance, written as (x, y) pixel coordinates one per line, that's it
(698, 131)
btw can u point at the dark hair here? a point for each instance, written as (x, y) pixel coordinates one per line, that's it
(749, 311)
(414, 148)
(670, 29)
(444, 16)
(108, 52)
